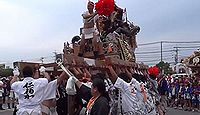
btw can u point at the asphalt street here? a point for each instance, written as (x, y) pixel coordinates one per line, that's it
(171, 111)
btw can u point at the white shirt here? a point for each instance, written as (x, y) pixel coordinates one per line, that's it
(94, 18)
(173, 91)
(180, 89)
(136, 84)
(1, 92)
(130, 102)
(50, 90)
(1, 89)
(30, 92)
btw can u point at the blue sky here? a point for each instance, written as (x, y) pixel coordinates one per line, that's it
(30, 29)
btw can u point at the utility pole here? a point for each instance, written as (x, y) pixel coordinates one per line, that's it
(176, 55)
(161, 56)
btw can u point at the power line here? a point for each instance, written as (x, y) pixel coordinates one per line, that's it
(152, 60)
(153, 52)
(185, 47)
(181, 42)
(153, 57)
(150, 43)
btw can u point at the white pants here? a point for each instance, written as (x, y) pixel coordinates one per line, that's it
(49, 111)
(25, 111)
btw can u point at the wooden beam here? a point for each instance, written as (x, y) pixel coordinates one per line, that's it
(86, 62)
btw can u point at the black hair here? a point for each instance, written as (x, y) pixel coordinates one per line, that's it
(153, 77)
(75, 39)
(143, 78)
(27, 71)
(137, 77)
(124, 76)
(90, 2)
(99, 84)
(52, 77)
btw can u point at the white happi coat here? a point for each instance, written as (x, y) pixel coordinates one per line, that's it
(131, 104)
(30, 94)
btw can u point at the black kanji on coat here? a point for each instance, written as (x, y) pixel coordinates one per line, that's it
(29, 90)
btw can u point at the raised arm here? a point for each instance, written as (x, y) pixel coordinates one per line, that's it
(88, 75)
(15, 77)
(46, 75)
(76, 73)
(62, 77)
(36, 72)
(113, 76)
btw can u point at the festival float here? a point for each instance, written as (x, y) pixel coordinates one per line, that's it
(116, 38)
(115, 45)
(193, 62)
(116, 41)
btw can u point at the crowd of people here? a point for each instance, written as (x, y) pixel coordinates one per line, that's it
(6, 95)
(110, 90)
(183, 92)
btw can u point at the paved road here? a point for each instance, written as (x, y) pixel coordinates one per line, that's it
(170, 111)
(6, 112)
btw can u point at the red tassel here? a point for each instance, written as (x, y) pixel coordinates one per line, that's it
(104, 7)
(153, 71)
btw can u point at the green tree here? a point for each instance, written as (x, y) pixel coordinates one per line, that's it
(5, 72)
(165, 66)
